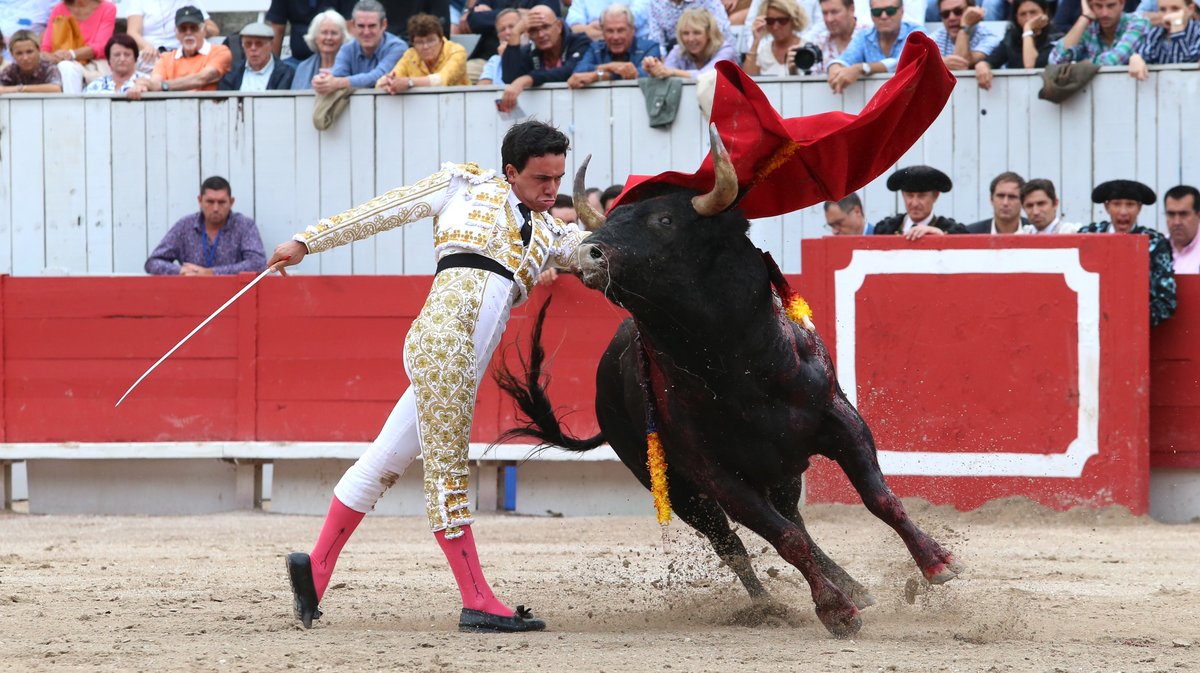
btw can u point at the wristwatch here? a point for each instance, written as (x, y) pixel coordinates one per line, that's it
(410, 83)
(165, 86)
(866, 68)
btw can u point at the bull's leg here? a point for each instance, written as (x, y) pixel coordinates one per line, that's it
(786, 499)
(855, 453)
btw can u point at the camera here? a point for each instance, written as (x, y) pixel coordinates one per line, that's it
(807, 57)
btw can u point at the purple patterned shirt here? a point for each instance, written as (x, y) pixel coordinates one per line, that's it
(238, 247)
(45, 73)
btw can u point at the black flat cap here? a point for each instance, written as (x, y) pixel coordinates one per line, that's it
(1123, 189)
(919, 178)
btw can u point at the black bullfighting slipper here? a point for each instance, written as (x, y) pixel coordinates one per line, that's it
(476, 621)
(304, 603)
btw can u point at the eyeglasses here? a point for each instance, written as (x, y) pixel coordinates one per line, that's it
(880, 11)
(957, 11)
(777, 20)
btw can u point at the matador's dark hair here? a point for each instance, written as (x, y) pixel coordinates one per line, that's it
(531, 139)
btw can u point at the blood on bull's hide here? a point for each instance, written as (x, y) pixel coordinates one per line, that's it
(742, 396)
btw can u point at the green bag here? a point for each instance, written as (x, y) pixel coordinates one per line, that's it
(662, 98)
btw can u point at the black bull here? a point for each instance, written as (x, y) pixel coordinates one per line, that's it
(743, 395)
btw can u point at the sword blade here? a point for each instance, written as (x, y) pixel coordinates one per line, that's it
(193, 332)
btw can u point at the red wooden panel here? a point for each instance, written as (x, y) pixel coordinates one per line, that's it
(138, 296)
(333, 421)
(1175, 383)
(343, 296)
(108, 379)
(143, 339)
(3, 364)
(324, 337)
(292, 380)
(95, 420)
(247, 371)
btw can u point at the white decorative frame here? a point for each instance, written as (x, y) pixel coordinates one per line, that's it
(1056, 261)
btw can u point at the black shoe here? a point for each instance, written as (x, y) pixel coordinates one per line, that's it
(304, 602)
(476, 621)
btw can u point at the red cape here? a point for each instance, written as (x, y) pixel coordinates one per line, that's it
(787, 164)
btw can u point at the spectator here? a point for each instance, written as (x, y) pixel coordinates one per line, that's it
(431, 61)
(1006, 207)
(776, 31)
(152, 24)
(301, 14)
(1040, 202)
(1068, 11)
(1176, 41)
(25, 15)
(1123, 201)
(1183, 220)
(609, 195)
(962, 39)
(593, 198)
(1026, 44)
(96, 20)
(618, 56)
(700, 46)
(29, 72)
(327, 34)
(585, 16)
(551, 55)
(214, 241)
(506, 22)
(665, 15)
(195, 65)
(401, 11)
(121, 53)
(564, 209)
(479, 18)
(260, 70)
(361, 62)
(1103, 34)
(845, 217)
(874, 50)
(841, 25)
(920, 186)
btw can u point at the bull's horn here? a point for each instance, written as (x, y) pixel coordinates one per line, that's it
(583, 210)
(725, 190)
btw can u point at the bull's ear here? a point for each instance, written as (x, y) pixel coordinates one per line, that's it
(725, 188)
(587, 215)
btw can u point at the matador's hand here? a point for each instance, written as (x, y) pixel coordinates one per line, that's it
(287, 254)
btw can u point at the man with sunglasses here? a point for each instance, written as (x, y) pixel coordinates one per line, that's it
(876, 50)
(963, 39)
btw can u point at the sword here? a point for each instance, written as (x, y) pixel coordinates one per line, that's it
(199, 327)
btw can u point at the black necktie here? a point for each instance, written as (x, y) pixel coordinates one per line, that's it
(526, 228)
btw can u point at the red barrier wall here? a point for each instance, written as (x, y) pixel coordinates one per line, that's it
(1175, 383)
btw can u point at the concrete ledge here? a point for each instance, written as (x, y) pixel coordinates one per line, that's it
(139, 487)
(1175, 495)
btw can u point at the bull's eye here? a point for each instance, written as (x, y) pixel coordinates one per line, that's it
(664, 220)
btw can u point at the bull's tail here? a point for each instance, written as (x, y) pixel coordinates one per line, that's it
(529, 392)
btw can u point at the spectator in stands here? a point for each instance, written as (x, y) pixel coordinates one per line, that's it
(29, 72)
(962, 39)
(300, 14)
(121, 52)
(96, 20)
(1026, 44)
(1123, 201)
(618, 56)
(1183, 220)
(586, 16)
(327, 34)
(564, 209)
(195, 65)
(874, 50)
(152, 24)
(700, 45)
(1040, 202)
(1103, 34)
(665, 15)
(1176, 41)
(593, 198)
(920, 187)
(551, 55)
(840, 27)
(260, 70)
(845, 217)
(506, 22)
(214, 241)
(480, 18)
(609, 195)
(1006, 217)
(431, 61)
(371, 55)
(29, 15)
(776, 31)
(401, 11)
(1066, 12)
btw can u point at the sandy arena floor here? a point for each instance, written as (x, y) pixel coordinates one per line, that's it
(1081, 591)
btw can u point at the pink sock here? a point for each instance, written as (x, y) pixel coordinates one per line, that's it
(339, 524)
(464, 562)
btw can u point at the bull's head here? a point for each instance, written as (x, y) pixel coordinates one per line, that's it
(660, 250)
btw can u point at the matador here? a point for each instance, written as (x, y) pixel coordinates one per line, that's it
(492, 238)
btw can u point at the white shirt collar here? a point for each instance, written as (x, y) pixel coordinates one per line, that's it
(909, 224)
(205, 47)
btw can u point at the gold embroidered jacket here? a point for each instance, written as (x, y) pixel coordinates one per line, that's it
(474, 211)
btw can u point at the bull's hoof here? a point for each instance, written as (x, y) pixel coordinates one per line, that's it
(943, 572)
(762, 613)
(859, 595)
(840, 622)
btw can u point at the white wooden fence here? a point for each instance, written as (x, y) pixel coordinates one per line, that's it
(90, 185)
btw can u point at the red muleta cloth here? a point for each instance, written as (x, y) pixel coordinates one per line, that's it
(784, 165)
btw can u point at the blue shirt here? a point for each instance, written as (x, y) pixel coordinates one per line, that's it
(864, 47)
(599, 55)
(583, 12)
(1159, 46)
(492, 71)
(983, 40)
(364, 71)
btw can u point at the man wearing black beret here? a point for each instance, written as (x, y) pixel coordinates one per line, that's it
(1123, 201)
(920, 186)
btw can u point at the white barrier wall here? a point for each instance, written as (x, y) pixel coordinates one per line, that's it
(89, 185)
